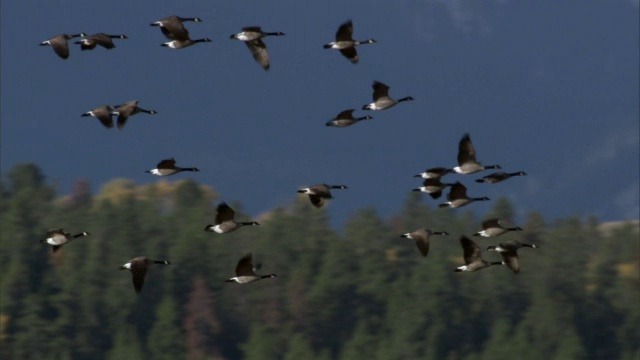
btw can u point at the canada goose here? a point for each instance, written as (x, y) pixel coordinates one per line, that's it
(381, 99)
(473, 257)
(138, 267)
(346, 118)
(457, 197)
(246, 272)
(181, 44)
(433, 187)
(102, 113)
(252, 36)
(434, 173)
(127, 109)
(345, 43)
(173, 28)
(57, 237)
(492, 227)
(168, 167)
(509, 252)
(104, 40)
(467, 163)
(496, 177)
(225, 220)
(60, 45)
(421, 236)
(317, 193)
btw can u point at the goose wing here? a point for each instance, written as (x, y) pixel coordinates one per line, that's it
(491, 223)
(259, 51)
(224, 213)
(345, 31)
(245, 266)
(466, 151)
(471, 250)
(379, 90)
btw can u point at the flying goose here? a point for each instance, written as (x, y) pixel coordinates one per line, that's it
(183, 43)
(473, 257)
(345, 43)
(467, 163)
(317, 193)
(421, 237)
(492, 227)
(57, 237)
(127, 109)
(381, 99)
(138, 267)
(509, 252)
(173, 28)
(496, 177)
(102, 113)
(346, 118)
(225, 220)
(104, 40)
(433, 187)
(457, 197)
(434, 173)
(168, 167)
(60, 45)
(246, 272)
(252, 36)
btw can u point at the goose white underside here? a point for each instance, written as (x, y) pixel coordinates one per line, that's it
(246, 37)
(54, 242)
(465, 170)
(127, 266)
(218, 229)
(340, 45)
(483, 233)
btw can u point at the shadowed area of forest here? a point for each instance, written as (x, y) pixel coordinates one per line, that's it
(359, 293)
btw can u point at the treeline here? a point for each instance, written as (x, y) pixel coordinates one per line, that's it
(361, 293)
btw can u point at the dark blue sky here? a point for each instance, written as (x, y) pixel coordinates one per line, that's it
(550, 88)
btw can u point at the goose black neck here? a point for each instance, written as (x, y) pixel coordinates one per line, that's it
(405, 99)
(267, 276)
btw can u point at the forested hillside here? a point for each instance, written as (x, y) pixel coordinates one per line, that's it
(359, 293)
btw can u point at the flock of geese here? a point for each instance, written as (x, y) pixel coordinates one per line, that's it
(173, 28)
